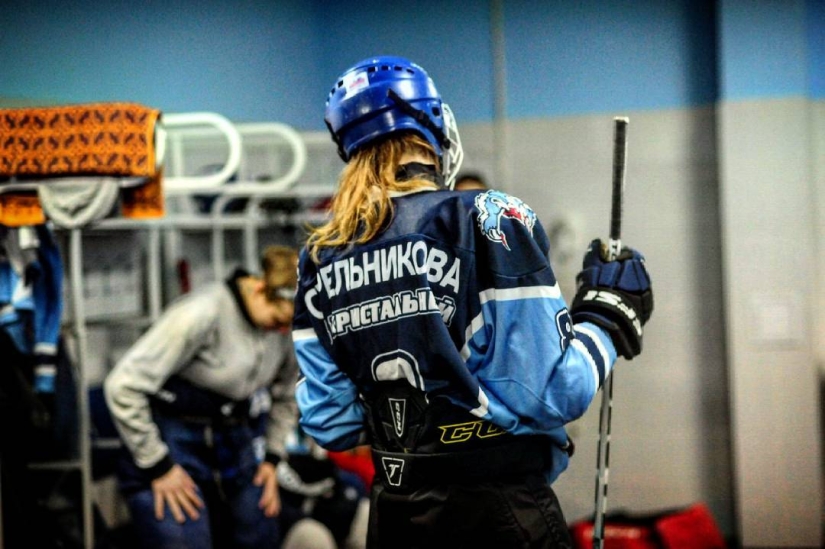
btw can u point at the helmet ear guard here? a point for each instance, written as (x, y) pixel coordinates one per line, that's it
(384, 95)
(454, 157)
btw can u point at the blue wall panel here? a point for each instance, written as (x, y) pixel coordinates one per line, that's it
(569, 58)
(247, 60)
(763, 53)
(816, 47)
(261, 60)
(450, 39)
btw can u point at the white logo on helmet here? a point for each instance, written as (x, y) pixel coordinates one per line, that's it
(355, 82)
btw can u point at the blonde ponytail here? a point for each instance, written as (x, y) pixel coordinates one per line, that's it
(361, 206)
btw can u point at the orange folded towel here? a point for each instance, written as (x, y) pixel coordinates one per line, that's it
(144, 201)
(20, 209)
(114, 139)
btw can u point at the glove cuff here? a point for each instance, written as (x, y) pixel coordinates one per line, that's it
(613, 311)
(626, 347)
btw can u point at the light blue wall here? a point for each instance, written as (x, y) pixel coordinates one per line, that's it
(764, 50)
(816, 44)
(562, 58)
(259, 60)
(249, 60)
(595, 56)
(449, 38)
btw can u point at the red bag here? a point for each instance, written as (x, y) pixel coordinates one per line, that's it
(690, 528)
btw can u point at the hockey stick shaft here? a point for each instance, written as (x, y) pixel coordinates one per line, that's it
(619, 161)
(614, 247)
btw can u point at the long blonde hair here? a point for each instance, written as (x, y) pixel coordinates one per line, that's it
(362, 204)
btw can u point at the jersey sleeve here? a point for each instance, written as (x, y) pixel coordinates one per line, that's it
(157, 354)
(536, 369)
(331, 411)
(48, 310)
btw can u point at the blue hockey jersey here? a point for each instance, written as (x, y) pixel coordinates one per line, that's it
(31, 298)
(457, 297)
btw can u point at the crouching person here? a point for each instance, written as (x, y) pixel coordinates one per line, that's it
(180, 399)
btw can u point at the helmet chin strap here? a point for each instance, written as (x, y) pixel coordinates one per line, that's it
(420, 117)
(335, 139)
(418, 170)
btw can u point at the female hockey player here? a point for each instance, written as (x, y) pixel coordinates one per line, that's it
(429, 324)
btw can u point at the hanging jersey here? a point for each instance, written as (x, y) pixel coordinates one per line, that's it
(451, 322)
(31, 297)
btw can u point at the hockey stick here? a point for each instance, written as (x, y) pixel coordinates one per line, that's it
(614, 246)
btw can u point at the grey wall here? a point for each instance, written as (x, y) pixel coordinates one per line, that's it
(816, 123)
(670, 430)
(769, 258)
(767, 189)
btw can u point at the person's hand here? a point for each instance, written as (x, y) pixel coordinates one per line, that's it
(284, 310)
(267, 477)
(615, 295)
(177, 490)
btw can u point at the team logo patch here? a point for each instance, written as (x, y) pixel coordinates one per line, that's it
(493, 206)
(393, 470)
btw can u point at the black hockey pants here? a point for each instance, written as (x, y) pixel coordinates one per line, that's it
(506, 514)
(494, 497)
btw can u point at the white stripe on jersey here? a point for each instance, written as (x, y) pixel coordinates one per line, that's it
(45, 348)
(527, 292)
(603, 357)
(483, 402)
(475, 325)
(593, 369)
(302, 335)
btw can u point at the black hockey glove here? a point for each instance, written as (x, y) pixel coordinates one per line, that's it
(614, 295)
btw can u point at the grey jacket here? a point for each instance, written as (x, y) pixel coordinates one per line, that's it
(205, 339)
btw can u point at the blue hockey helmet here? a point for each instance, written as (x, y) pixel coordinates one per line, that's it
(383, 95)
